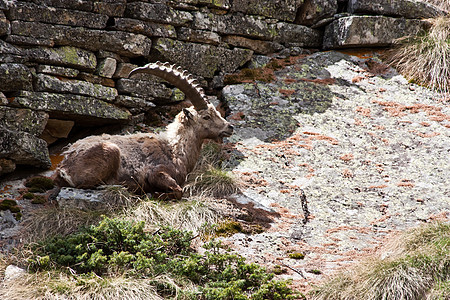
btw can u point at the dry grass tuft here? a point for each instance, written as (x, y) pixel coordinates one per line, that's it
(212, 182)
(443, 4)
(196, 215)
(425, 58)
(210, 178)
(55, 286)
(411, 267)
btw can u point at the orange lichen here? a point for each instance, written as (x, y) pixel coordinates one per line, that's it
(427, 135)
(363, 111)
(358, 79)
(5, 188)
(55, 160)
(405, 183)
(237, 116)
(290, 80)
(325, 81)
(346, 173)
(347, 157)
(286, 92)
(378, 186)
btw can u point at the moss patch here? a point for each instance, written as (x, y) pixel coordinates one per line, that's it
(228, 228)
(12, 206)
(39, 184)
(296, 255)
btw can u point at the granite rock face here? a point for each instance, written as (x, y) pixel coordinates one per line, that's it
(371, 162)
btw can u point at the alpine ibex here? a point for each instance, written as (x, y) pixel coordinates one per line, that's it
(146, 162)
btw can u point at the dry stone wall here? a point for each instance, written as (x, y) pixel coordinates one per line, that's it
(65, 62)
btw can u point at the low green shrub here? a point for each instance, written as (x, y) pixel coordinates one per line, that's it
(120, 247)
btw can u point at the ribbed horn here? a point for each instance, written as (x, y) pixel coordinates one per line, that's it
(179, 78)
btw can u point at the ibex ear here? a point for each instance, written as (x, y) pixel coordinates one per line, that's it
(188, 114)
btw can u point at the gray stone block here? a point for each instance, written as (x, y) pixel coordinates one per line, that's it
(314, 11)
(202, 60)
(20, 119)
(64, 56)
(91, 199)
(296, 35)
(123, 43)
(24, 148)
(58, 71)
(107, 67)
(14, 77)
(409, 9)
(145, 28)
(84, 5)
(233, 24)
(112, 8)
(31, 12)
(76, 106)
(47, 83)
(143, 88)
(157, 12)
(283, 10)
(368, 31)
(4, 24)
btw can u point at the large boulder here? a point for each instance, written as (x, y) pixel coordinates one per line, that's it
(23, 148)
(264, 110)
(368, 31)
(410, 9)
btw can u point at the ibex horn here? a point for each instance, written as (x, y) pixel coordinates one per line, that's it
(179, 78)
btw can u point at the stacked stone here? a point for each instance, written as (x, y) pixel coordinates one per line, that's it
(64, 62)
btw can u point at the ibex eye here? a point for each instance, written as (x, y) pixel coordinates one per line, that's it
(206, 117)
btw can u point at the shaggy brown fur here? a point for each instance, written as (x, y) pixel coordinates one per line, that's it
(145, 162)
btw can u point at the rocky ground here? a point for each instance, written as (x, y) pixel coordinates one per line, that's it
(372, 161)
(339, 150)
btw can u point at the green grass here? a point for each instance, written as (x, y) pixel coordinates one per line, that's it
(414, 266)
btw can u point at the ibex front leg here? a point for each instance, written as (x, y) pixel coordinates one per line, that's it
(161, 180)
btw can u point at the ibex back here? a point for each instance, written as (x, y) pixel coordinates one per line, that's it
(147, 162)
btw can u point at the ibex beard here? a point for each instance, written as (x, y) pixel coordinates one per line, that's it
(143, 162)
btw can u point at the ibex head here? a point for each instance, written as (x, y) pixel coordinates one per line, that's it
(203, 117)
